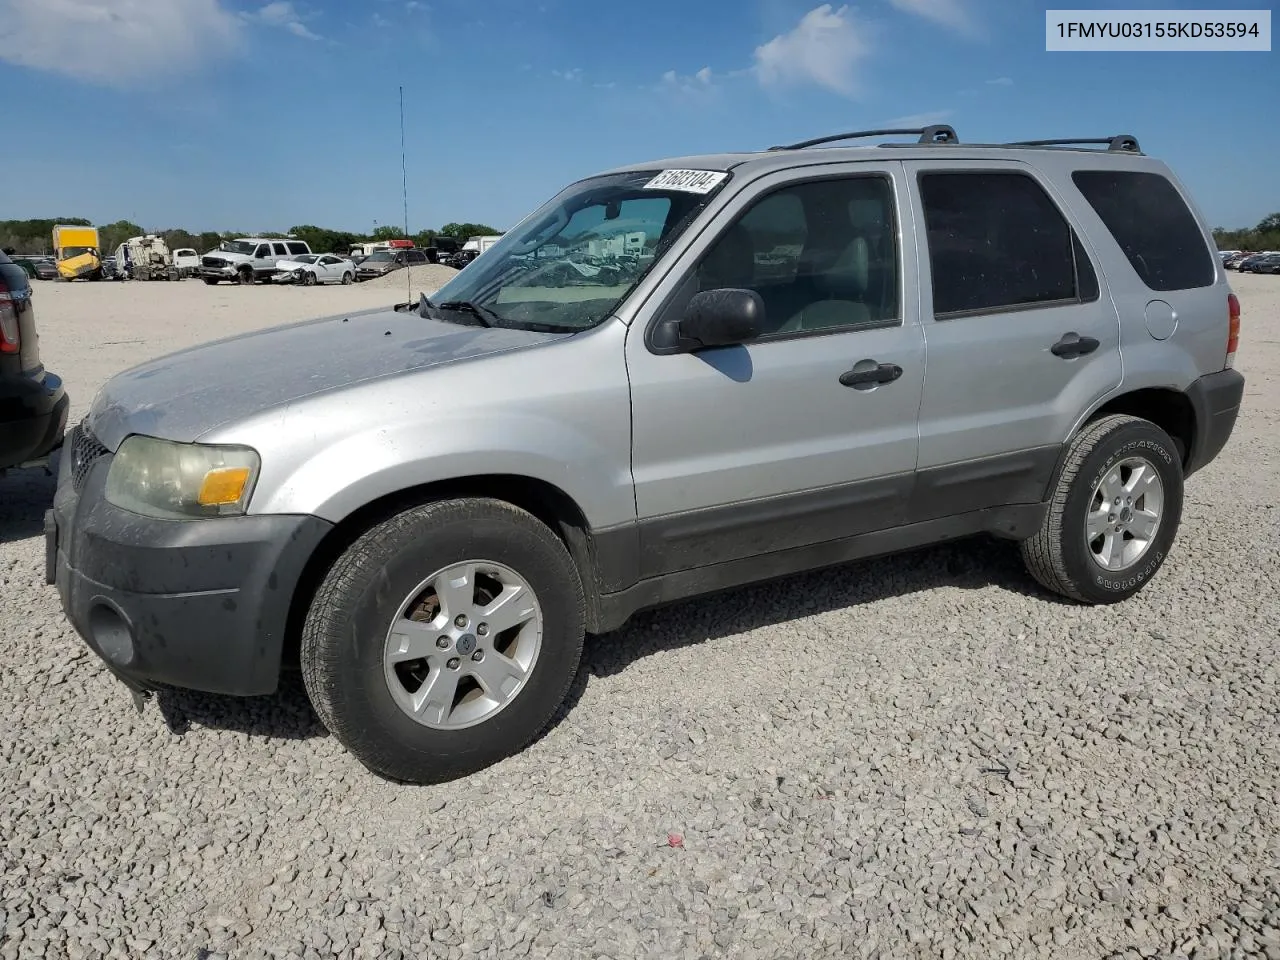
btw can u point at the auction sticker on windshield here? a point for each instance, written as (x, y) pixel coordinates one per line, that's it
(690, 181)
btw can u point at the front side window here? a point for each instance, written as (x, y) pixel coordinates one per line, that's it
(570, 265)
(262, 251)
(822, 255)
(1153, 226)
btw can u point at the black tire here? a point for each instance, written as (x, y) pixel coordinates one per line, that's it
(308, 279)
(244, 277)
(347, 279)
(211, 281)
(1059, 556)
(345, 631)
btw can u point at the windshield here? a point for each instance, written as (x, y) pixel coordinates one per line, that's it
(69, 252)
(304, 258)
(237, 246)
(570, 264)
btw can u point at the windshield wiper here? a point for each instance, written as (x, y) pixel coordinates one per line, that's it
(484, 315)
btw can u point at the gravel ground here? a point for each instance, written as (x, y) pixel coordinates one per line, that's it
(914, 756)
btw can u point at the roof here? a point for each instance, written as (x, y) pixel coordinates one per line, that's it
(934, 143)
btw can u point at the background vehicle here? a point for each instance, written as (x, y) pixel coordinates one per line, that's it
(187, 261)
(33, 403)
(145, 258)
(309, 269)
(1265, 263)
(76, 251)
(248, 260)
(444, 502)
(1233, 260)
(381, 262)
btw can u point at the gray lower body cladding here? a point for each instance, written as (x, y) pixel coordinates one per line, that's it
(201, 604)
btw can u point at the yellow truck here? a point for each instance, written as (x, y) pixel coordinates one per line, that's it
(76, 251)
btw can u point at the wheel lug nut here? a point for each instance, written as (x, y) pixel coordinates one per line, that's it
(1117, 500)
(482, 630)
(461, 620)
(478, 656)
(1111, 517)
(454, 663)
(442, 643)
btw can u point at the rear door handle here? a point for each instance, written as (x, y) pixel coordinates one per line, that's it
(864, 376)
(1073, 345)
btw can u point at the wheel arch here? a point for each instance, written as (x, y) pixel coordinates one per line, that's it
(1169, 409)
(544, 500)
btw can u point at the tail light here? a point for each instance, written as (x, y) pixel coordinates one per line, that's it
(10, 341)
(1233, 328)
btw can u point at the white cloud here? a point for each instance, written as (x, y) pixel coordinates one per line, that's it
(1000, 82)
(701, 86)
(571, 75)
(949, 13)
(824, 49)
(115, 42)
(925, 119)
(281, 13)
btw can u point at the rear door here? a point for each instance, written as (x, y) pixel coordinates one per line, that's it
(1020, 342)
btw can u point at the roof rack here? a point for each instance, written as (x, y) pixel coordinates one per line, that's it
(937, 133)
(1121, 143)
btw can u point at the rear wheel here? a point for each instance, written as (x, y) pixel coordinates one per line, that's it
(1114, 514)
(444, 639)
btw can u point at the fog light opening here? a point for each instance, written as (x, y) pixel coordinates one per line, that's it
(111, 634)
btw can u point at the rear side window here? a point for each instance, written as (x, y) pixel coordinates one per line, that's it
(997, 241)
(1153, 226)
(297, 248)
(279, 250)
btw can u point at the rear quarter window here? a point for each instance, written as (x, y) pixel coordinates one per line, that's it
(1153, 226)
(296, 248)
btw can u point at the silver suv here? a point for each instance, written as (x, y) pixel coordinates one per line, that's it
(672, 378)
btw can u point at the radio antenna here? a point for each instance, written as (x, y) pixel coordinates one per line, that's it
(404, 189)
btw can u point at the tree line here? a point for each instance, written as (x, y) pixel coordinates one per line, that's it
(36, 236)
(1265, 236)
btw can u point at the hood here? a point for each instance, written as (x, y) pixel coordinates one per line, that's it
(186, 394)
(291, 264)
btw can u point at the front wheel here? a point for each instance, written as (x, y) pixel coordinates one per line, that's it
(1114, 513)
(444, 639)
(245, 277)
(347, 279)
(308, 278)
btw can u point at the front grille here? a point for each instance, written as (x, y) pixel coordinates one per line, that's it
(215, 262)
(85, 452)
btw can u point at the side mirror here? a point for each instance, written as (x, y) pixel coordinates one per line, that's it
(721, 318)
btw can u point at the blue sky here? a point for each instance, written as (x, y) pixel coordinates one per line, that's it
(253, 115)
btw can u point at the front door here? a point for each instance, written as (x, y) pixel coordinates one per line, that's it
(1020, 341)
(808, 433)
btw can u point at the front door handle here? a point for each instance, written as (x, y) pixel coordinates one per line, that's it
(1073, 345)
(868, 374)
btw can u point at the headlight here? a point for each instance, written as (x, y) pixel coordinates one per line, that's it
(181, 481)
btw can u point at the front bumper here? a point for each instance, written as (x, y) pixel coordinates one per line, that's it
(201, 604)
(33, 418)
(1216, 401)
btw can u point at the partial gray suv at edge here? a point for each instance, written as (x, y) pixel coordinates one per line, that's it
(672, 378)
